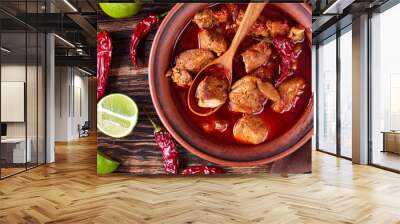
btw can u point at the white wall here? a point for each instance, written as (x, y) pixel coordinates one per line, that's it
(16, 73)
(61, 103)
(80, 110)
(34, 125)
(71, 93)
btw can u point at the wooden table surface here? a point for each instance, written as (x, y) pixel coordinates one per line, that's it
(137, 152)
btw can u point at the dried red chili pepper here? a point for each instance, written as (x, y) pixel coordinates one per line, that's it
(203, 169)
(167, 146)
(141, 30)
(285, 48)
(104, 52)
(168, 149)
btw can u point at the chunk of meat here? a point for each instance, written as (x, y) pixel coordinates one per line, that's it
(212, 41)
(208, 18)
(257, 55)
(204, 18)
(290, 91)
(181, 78)
(268, 90)
(194, 60)
(296, 33)
(212, 125)
(265, 73)
(212, 91)
(277, 28)
(250, 129)
(221, 15)
(259, 28)
(245, 97)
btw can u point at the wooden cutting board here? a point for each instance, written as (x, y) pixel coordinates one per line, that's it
(137, 152)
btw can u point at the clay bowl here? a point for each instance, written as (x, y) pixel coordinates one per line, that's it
(192, 139)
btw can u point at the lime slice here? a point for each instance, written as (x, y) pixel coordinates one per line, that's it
(120, 10)
(105, 165)
(117, 115)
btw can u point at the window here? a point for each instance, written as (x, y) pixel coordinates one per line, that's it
(22, 79)
(314, 90)
(327, 96)
(346, 92)
(385, 89)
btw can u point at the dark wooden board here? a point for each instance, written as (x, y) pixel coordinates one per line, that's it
(137, 152)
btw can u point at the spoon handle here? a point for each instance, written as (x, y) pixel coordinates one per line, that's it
(250, 16)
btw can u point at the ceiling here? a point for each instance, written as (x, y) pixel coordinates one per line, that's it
(34, 6)
(74, 21)
(332, 15)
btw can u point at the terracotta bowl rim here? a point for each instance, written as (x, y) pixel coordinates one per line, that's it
(308, 112)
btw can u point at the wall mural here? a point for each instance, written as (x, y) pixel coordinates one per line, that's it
(204, 88)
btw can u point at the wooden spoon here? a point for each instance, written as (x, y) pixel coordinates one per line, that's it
(225, 61)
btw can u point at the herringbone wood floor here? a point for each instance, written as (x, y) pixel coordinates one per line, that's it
(70, 192)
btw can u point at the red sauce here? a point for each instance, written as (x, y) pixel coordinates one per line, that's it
(277, 123)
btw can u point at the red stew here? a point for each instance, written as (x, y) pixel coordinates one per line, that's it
(277, 123)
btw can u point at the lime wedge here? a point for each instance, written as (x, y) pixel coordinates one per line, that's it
(117, 115)
(105, 165)
(120, 10)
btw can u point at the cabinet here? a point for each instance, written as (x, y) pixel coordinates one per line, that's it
(391, 141)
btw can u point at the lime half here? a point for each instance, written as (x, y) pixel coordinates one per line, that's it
(117, 115)
(105, 165)
(120, 10)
